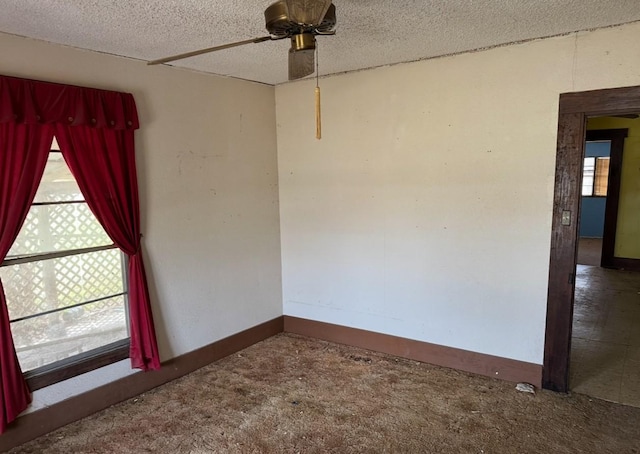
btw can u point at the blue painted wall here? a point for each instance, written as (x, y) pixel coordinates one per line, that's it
(592, 214)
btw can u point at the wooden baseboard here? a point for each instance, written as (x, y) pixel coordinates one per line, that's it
(33, 425)
(454, 358)
(620, 263)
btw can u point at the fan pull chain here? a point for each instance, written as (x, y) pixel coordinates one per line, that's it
(318, 118)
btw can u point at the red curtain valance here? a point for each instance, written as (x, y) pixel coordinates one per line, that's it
(31, 101)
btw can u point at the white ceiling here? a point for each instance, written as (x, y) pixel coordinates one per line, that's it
(370, 32)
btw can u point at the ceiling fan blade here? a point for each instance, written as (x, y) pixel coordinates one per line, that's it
(307, 12)
(209, 49)
(301, 63)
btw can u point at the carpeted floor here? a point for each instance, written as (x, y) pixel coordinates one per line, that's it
(291, 394)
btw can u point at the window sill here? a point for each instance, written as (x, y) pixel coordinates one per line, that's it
(77, 364)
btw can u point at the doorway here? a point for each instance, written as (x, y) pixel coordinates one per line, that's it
(600, 195)
(574, 110)
(605, 338)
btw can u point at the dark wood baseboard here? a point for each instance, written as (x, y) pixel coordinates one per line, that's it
(619, 263)
(40, 422)
(454, 358)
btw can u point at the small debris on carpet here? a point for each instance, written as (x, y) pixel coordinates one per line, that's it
(526, 388)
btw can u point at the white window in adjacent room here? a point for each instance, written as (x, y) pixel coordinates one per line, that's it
(595, 177)
(64, 279)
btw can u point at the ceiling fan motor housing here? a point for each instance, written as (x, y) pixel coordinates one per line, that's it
(301, 20)
(280, 24)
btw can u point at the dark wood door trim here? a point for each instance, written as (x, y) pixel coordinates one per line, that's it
(601, 103)
(574, 109)
(616, 136)
(562, 265)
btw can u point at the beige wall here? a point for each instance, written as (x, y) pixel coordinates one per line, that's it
(206, 154)
(628, 226)
(425, 210)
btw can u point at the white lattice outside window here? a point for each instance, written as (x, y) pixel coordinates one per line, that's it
(63, 277)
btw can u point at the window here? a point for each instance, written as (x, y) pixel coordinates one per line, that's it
(65, 284)
(595, 176)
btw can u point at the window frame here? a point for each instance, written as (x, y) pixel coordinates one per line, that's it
(75, 365)
(78, 364)
(596, 160)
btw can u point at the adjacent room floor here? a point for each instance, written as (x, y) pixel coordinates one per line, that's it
(589, 251)
(605, 350)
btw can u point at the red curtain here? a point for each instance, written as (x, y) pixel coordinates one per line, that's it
(23, 155)
(37, 102)
(103, 163)
(95, 129)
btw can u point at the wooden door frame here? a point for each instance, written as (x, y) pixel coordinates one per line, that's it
(616, 137)
(574, 108)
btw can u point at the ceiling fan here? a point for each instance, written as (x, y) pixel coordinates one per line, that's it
(299, 20)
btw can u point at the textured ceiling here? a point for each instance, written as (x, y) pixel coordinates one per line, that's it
(370, 32)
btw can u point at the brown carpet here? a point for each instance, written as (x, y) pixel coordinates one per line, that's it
(291, 394)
